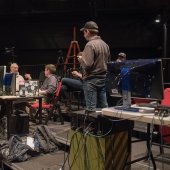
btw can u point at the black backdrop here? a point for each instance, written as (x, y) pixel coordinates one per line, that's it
(38, 29)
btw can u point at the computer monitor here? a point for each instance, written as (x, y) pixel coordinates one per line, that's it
(2, 73)
(9, 82)
(142, 78)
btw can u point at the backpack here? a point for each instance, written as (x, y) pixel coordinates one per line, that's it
(15, 150)
(45, 139)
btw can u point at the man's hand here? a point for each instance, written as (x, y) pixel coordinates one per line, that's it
(42, 92)
(76, 74)
(28, 76)
(79, 58)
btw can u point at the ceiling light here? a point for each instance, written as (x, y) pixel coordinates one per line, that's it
(158, 19)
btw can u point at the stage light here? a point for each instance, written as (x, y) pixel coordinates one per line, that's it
(158, 19)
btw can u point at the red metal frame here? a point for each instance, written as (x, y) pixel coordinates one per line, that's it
(74, 46)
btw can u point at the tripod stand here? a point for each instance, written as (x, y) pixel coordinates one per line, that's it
(75, 48)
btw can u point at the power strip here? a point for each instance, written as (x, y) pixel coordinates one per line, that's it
(162, 111)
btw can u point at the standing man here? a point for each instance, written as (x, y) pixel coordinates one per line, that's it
(94, 60)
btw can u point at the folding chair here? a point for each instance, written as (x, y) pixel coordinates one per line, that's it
(55, 108)
(52, 109)
(165, 131)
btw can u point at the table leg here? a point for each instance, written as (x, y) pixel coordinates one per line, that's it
(40, 110)
(149, 146)
(9, 106)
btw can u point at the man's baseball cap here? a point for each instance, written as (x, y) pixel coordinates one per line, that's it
(90, 25)
(122, 55)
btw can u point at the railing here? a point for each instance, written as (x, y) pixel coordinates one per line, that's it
(35, 70)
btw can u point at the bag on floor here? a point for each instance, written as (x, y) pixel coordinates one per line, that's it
(45, 139)
(14, 150)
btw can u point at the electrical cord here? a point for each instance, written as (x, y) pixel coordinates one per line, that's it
(77, 153)
(111, 120)
(84, 136)
(63, 167)
(150, 141)
(84, 122)
(76, 131)
(113, 158)
(119, 102)
(101, 136)
(78, 142)
(87, 130)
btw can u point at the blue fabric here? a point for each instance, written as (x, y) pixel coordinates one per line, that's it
(125, 74)
(95, 93)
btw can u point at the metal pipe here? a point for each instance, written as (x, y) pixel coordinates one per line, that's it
(165, 40)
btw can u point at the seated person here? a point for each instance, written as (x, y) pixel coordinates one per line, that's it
(70, 84)
(49, 85)
(14, 68)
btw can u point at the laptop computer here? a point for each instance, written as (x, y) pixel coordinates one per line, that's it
(29, 88)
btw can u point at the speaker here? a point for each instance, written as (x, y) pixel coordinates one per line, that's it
(19, 124)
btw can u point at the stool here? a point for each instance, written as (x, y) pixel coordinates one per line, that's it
(72, 97)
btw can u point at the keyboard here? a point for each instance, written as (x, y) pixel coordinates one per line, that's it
(130, 109)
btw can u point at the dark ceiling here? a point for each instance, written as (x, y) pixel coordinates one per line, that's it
(94, 8)
(41, 27)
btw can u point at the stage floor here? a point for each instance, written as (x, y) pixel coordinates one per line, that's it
(55, 160)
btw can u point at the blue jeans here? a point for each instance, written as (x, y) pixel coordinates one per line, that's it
(95, 93)
(69, 84)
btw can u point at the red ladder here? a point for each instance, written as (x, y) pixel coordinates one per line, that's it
(75, 48)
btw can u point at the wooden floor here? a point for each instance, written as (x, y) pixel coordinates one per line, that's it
(56, 160)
